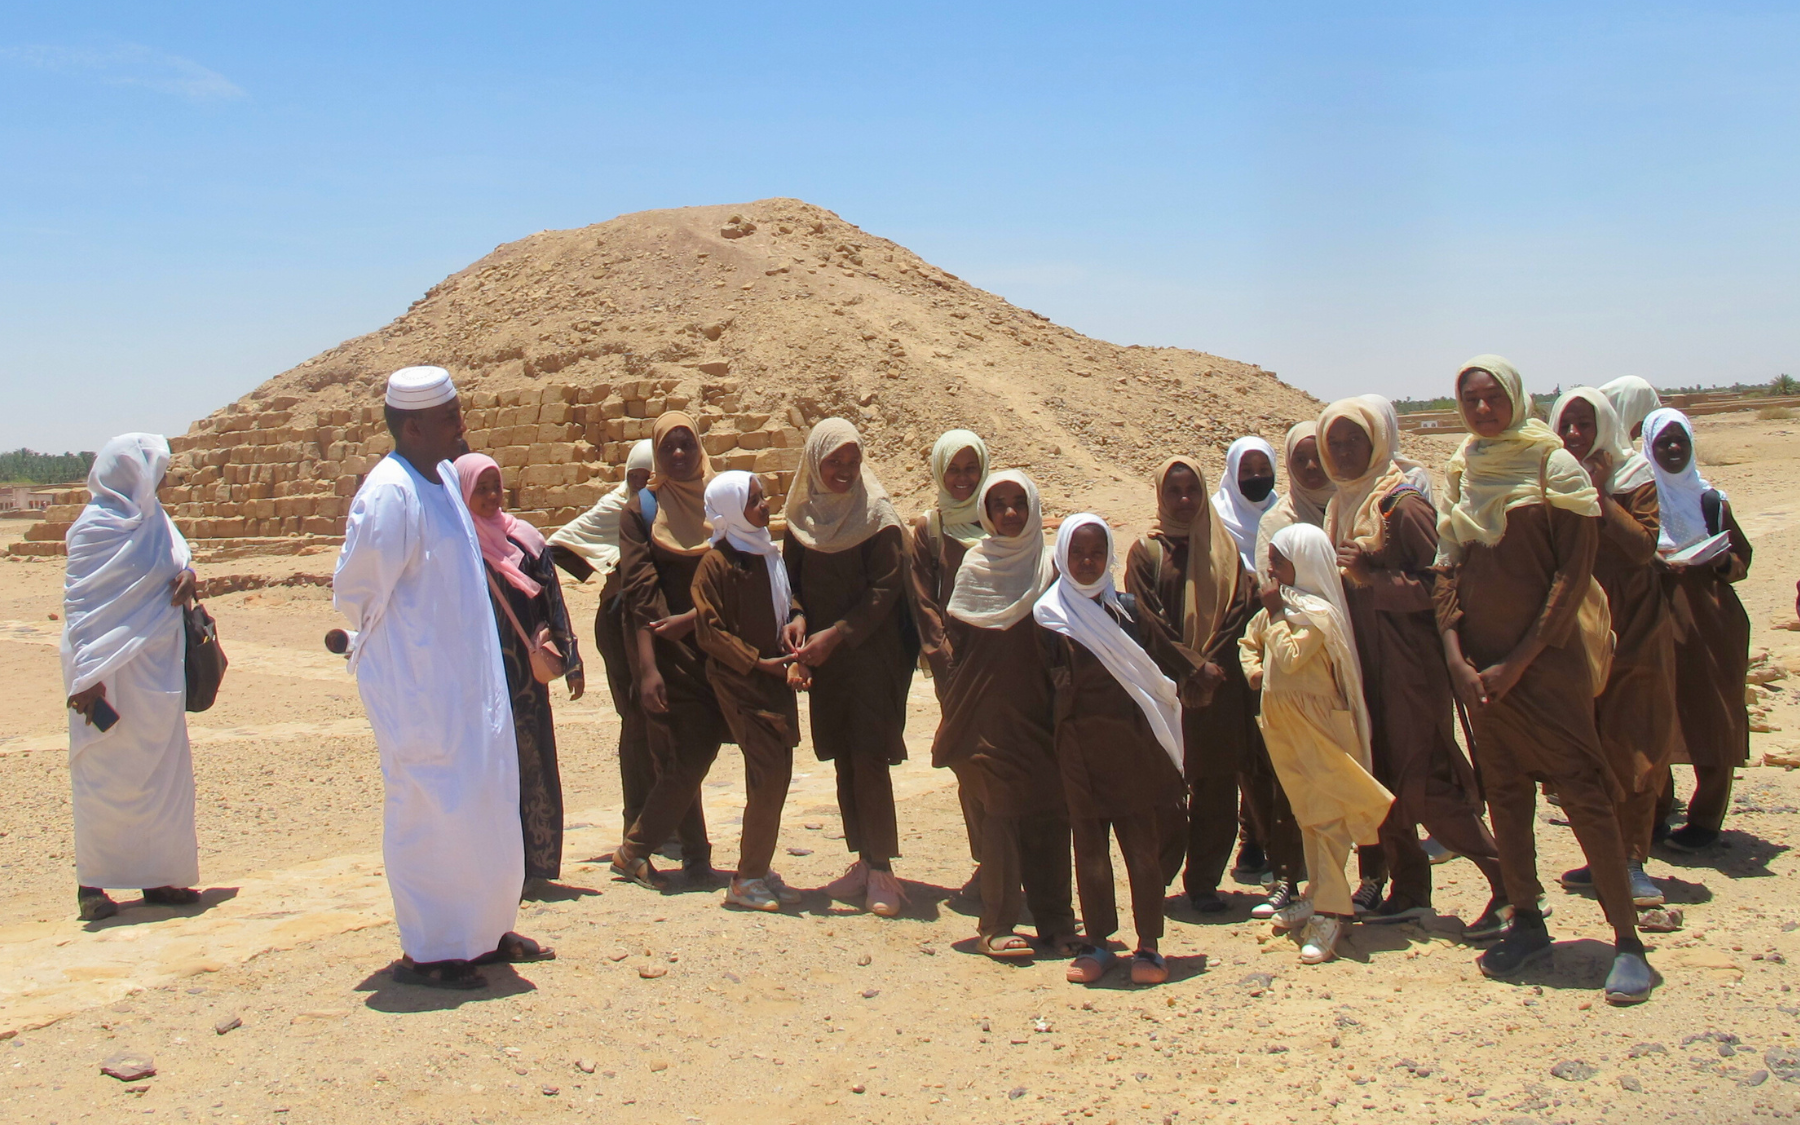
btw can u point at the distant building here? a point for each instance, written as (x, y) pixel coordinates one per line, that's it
(28, 497)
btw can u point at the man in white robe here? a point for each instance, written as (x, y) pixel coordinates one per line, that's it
(123, 655)
(426, 654)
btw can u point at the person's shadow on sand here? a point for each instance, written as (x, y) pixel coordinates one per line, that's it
(387, 996)
(139, 912)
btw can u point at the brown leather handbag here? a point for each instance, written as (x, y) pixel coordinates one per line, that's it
(547, 661)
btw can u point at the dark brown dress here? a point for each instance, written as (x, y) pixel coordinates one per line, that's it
(1116, 779)
(1712, 655)
(735, 626)
(1411, 705)
(1224, 746)
(999, 716)
(656, 583)
(931, 578)
(540, 782)
(859, 695)
(1636, 713)
(1531, 583)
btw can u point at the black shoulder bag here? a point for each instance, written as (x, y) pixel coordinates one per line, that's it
(206, 661)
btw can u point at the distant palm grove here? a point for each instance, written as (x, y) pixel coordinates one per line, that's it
(26, 466)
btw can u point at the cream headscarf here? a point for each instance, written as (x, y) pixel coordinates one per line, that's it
(1070, 609)
(1632, 400)
(823, 520)
(1678, 494)
(1240, 514)
(1630, 469)
(1299, 504)
(726, 496)
(1001, 577)
(1417, 475)
(1317, 599)
(680, 525)
(594, 535)
(1212, 561)
(1355, 512)
(960, 519)
(1490, 476)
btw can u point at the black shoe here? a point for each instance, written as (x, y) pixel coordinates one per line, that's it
(700, 873)
(1492, 923)
(1252, 863)
(1399, 909)
(1579, 879)
(171, 896)
(1526, 941)
(92, 904)
(1367, 898)
(1659, 832)
(1692, 838)
(1207, 902)
(1631, 980)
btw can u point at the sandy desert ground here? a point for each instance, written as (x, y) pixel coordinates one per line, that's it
(271, 1003)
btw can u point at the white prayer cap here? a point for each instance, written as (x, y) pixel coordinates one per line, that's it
(419, 388)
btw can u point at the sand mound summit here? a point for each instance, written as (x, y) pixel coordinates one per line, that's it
(759, 319)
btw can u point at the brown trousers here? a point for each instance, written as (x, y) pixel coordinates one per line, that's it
(683, 743)
(1026, 863)
(1141, 843)
(1213, 818)
(637, 769)
(1435, 802)
(865, 792)
(768, 768)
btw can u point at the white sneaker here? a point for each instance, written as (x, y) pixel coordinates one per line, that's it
(1281, 896)
(1320, 942)
(1293, 915)
(788, 895)
(851, 885)
(751, 894)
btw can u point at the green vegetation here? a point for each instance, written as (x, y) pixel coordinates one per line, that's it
(1782, 386)
(25, 466)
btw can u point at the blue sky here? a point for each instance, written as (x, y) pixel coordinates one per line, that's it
(194, 197)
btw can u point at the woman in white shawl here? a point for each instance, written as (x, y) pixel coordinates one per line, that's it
(124, 649)
(1300, 652)
(1632, 400)
(1246, 492)
(998, 723)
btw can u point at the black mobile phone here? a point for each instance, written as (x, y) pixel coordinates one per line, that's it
(102, 715)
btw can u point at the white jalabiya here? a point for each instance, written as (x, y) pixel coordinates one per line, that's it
(1239, 514)
(594, 535)
(1630, 469)
(1317, 595)
(427, 663)
(1678, 494)
(1632, 400)
(132, 787)
(726, 496)
(1068, 607)
(1001, 577)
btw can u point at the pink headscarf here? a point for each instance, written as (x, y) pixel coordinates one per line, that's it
(497, 531)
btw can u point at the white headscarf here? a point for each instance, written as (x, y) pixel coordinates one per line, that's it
(726, 495)
(1678, 494)
(960, 519)
(1000, 577)
(1317, 598)
(594, 535)
(1238, 514)
(823, 520)
(1069, 608)
(1630, 469)
(123, 554)
(1632, 400)
(1416, 474)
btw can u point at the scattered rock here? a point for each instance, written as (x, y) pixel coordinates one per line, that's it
(1755, 1078)
(129, 1066)
(585, 1066)
(618, 955)
(799, 851)
(1257, 983)
(1015, 1093)
(651, 972)
(659, 1064)
(1783, 1063)
(1644, 1049)
(230, 1023)
(1627, 1082)
(870, 993)
(1574, 1070)
(1659, 919)
(812, 827)
(552, 1091)
(864, 959)
(858, 1088)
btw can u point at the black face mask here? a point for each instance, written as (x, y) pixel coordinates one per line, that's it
(1257, 489)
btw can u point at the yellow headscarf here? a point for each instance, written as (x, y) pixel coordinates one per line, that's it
(1355, 512)
(680, 524)
(1212, 562)
(961, 519)
(823, 520)
(1490, 476)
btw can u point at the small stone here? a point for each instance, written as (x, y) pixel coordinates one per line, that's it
(552, 1091)
(230, 1023)
(129, 1066)
(1643, 1049)
(864, 960)
(858, 1088)
(1627, 1082)
(659, 1064)
(1257, 983)
(651, 972)
(1015, 1093)
(870, 993)
(799, 851)
(812, 826)
(1755, 1078)
(1574, 1070)
(618, 955)
(1783, 1063)
(585, 1066)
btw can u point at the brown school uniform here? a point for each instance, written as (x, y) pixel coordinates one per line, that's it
(859, 695)
(999, 714)
(637, 768)
(1116, 776)
(1411, 705)
(1636, 713)
(1712, 655)
(1532, 583)
(931, 578)
(735, 627)
(683, 742)
(1224, 747)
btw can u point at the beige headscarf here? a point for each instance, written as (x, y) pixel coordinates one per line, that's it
(823, 520)
(1490, 476)
(680, 525)
(1213, 561)
(1001, 577)
(1355, 512)
(594, 535)
(960, 519)
(1299, 504)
